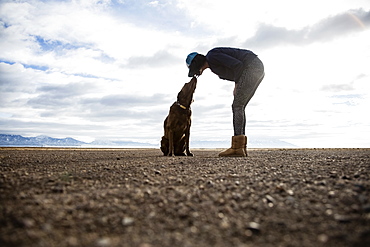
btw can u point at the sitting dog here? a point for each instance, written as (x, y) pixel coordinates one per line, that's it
(177, 124)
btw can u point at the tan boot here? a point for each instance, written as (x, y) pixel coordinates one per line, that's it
(238, 147)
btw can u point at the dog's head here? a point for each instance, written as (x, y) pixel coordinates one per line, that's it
(185, 96)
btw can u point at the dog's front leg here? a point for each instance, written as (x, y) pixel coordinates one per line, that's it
(187, 138)
(171, 150)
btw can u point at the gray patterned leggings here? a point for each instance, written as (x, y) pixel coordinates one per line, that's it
(244, 91)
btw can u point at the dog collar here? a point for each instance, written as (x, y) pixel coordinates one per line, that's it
(183, 107)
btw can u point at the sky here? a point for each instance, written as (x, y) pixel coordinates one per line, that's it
(111, 69)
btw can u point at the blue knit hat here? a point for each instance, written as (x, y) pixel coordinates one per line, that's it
(190, 58)
(192, 68)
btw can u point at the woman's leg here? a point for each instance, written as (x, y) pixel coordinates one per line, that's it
(244, 91)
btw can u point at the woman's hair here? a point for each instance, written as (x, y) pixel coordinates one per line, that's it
(197, 63)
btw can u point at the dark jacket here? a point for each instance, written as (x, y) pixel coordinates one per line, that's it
(229, 63)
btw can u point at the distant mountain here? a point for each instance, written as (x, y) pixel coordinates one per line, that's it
(256, 142)
(108, 143)
(44, 141)
(38, 141)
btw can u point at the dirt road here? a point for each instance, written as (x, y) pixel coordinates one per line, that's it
(133, 197)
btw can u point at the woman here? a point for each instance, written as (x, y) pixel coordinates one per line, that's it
(246, 70)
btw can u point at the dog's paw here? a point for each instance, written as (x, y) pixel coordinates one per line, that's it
(189, 154)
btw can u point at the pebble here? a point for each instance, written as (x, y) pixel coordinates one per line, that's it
(253, 226)
(270, 198)
(102, 242)
(290, 192)
(127, 221)
(27, 222)
(322, 183)
(210, 183)
(342, 218)
(157, 172)
(323, 238)
(72, 241)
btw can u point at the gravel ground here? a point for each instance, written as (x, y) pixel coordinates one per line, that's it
(137, 197)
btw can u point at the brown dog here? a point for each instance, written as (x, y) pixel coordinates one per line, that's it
(177, 124)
